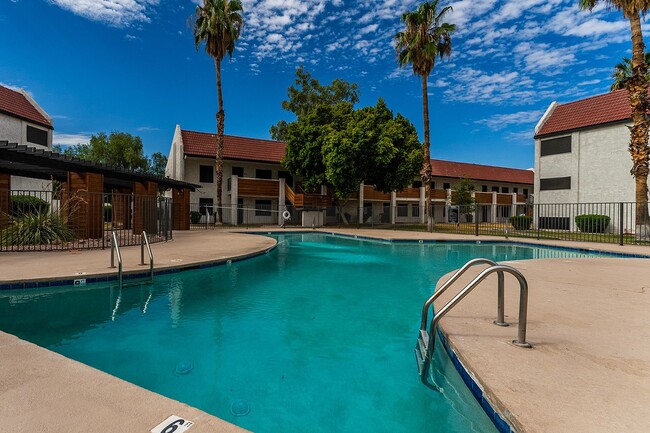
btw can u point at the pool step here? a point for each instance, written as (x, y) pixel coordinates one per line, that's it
(421, 349)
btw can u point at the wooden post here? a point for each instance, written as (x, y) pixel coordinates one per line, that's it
(180, 209)
(145, 208)
(85, 204)
(5, 198)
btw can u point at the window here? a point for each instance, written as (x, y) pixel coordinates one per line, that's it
(526, 192)
(206, 205)
(418, 184)
(495, 189)
(555, 183)
(484, 188)
(415, 210)
(263, 174)
(262, 207)
(515, 190)
(433, 185)
(36, 135)
(446, 186)
(555, 146)
(402, 210)
(505, 190)
(238, 171)
(206, 174)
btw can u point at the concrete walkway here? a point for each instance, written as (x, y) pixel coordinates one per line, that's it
(588, 370)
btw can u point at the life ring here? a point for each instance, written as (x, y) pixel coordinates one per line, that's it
(286, 215)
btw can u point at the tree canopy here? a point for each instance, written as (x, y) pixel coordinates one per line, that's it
(118, 149)
(308, 93)
(338, 146)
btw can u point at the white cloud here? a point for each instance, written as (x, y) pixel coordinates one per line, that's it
(498, 122)
(70, 139)
(117, 13)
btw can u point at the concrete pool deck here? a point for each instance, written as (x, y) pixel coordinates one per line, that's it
(589, 369)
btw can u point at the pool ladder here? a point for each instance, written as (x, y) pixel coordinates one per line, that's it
(115, 251)
(426, 339)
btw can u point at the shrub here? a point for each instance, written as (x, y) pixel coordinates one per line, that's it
(195, 217)
(521, 222)
(37, 228)
(28, 204)
(592, 223)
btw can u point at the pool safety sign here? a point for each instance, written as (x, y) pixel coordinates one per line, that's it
(173, 424)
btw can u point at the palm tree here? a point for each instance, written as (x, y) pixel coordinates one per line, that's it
(425, 38)
(623, 72)
(637, 86)
(217, 24)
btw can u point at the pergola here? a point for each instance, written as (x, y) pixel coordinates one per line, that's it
(94, 180)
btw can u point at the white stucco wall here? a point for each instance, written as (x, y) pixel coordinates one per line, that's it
(604, 165)
(599, 165)
(14, 130)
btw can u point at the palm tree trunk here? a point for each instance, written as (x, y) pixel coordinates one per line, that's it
(221, 119)
(426, 164)
(638, 88)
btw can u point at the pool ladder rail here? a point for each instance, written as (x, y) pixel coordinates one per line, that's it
(115, 251)
(424, 347)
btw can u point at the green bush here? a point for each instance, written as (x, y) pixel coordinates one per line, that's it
(521, 222)
(195, 217)
(108, 212)
(37, 228)
(592, 223)
(28, 204)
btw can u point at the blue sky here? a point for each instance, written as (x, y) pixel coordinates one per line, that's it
(131, 65)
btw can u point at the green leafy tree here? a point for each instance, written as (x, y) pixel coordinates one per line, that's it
(81, 150)
(637, 86)
(462, 197)
(119, 149)
(307, 93)
(425, 38)
(623, 72)
(341, 147)
(217, 24)
(157, 163)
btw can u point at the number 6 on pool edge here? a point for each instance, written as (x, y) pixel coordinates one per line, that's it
(171, 428)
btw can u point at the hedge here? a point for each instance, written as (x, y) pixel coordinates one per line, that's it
(592, 223)
(195, 217)
(521, 222)
(28, 204)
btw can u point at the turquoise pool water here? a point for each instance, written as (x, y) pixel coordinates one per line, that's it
(315, 336)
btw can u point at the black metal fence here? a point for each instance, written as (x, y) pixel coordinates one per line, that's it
(595, 222)
(65, 220)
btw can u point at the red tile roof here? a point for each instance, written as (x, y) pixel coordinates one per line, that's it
(240, 148)
(597, 110)
(17, 105)
(460, 170)
(254, 149)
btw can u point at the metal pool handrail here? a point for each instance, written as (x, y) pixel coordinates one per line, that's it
(144, 240)
(115, 248)
(480, 261)
(523, 311)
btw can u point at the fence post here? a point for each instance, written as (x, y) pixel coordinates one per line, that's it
(621, 216)
(538, 219)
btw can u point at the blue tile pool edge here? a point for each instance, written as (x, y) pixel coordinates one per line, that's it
(42, 284)
(499, 421)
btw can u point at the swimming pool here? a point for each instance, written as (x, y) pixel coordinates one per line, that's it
(316, 336)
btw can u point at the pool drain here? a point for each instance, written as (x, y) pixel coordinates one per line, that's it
(240, 408)
(184, 367)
